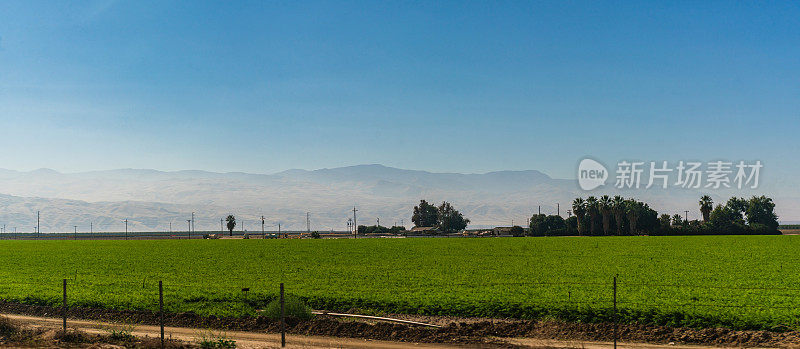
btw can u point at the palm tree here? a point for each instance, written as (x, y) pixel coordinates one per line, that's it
(706, 205)
(591, 210)
(579, 209)
(605, 210)
(632, 208)
(618, 206)
(677, 220)
(231, 223)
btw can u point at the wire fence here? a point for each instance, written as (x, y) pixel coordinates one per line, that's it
(613, 299)
(635, 294)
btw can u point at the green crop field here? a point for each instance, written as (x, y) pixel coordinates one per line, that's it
(737, 281)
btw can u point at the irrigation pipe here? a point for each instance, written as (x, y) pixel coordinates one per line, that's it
(376, 318)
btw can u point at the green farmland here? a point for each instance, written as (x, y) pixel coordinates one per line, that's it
(737, 281)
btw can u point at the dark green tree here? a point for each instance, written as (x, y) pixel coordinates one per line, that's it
(664, 222)
(706, 205)
(425, 215)
(633, 209)
(618, 206)
(605, 207)
(761, 210)
(537, 225)
(592, 210)
(677, 220)
(579, 209)
(555, 225)
(738, 205)
(450, 220)
(571, 224)
(231, 223)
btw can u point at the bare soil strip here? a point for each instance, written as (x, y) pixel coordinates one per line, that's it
(254, 340)
(246, 340)
(454, 331)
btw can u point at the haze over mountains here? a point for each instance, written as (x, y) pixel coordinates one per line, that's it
(151, 199)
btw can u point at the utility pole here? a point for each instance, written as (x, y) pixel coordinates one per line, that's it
(126, 229)
(379, 222)
(38, 228)
(75, 234)
(355, 223)
(91, 227)
(192, 227)
(686, 216)
(558, 208)
(279, 229)
(262, 226)
(308, 223)
(540, 209)
(221, 230)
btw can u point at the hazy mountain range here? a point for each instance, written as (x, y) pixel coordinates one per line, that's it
(151, 199)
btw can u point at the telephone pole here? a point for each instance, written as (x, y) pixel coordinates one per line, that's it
(308, 223)
(191, 228)
(262, 226)
(355, 223)
(221, 230)
(126, 228)
(558, 209)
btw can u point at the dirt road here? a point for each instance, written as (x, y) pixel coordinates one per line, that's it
(252, 340)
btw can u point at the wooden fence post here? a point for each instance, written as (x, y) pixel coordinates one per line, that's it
(161, 310)
(283, 320)
(615, 312)
(64, 306)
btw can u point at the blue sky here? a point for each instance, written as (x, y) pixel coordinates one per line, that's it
(454, 86)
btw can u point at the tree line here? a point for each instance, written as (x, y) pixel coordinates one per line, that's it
(444, 218)
(619, 216)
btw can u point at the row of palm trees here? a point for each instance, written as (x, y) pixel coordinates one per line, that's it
(619, 209)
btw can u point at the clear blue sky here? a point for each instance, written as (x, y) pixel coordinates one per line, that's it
(462, 86)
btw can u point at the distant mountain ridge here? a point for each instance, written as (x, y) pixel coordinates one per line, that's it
(150, 199)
